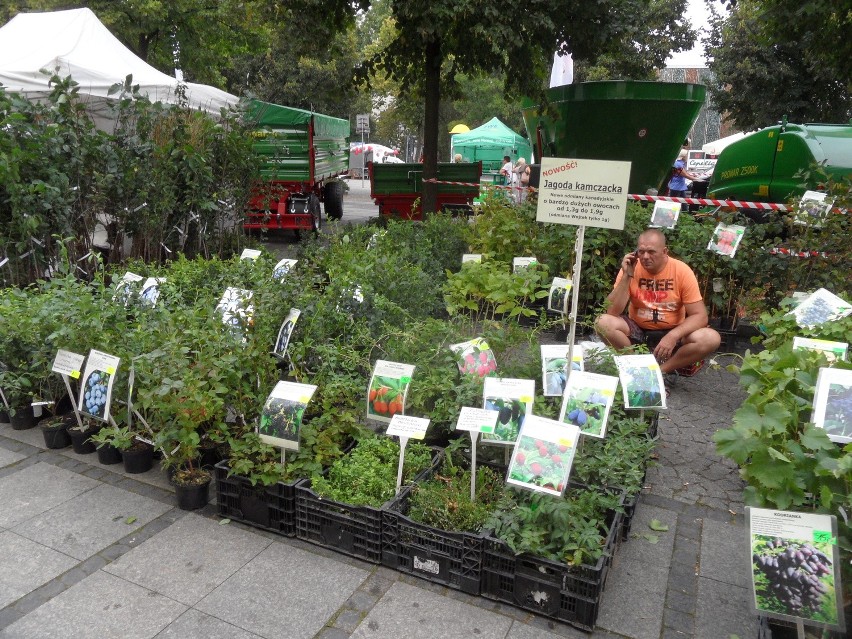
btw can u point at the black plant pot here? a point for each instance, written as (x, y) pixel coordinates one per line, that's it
(210, 456)
(192, 496)
(80, 440)
(4, 416)
(55, 433)
(139, 458)
(23, 418)
(109, 454)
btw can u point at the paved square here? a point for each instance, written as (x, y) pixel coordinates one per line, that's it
(7, 457)
(725, 554)
(36, 489)
(25, 565)
(284, 592)
(189, 559)
(196, 625)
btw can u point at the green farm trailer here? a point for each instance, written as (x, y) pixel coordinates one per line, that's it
(396, 188)
(302, 156)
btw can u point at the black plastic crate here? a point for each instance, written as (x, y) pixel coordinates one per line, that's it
(271, 508)
(552, 589)
(352, 530)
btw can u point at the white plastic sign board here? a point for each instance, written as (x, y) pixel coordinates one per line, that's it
(283, 412)
(98, 379)
(543, 454)
(285, 332)
(665, 214)
(557, 299)
(813, 208)
(477, 420)
(408, 426)
(68, 363)
(475, 357)
(151, 290)
(554, 367)
(521, 263)
(513, 401)
(819, 307)
(587, 401)
(125, 287)
(249, 254)
(832, 407)
(236, 307)
(387, 390)
(472, 257)
(583, 192)
(362, 123)
(641, 381)
(833, 350)
(282, 268)
(795, 567)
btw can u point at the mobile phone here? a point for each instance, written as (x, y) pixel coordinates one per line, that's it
(634, 257)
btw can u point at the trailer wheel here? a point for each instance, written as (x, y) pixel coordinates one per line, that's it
(334, 200)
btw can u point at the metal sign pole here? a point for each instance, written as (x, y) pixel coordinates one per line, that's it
(575, 294)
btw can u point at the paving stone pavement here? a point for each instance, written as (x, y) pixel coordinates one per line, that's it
(88, 551)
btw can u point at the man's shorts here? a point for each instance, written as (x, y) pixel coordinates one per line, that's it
(639, 335)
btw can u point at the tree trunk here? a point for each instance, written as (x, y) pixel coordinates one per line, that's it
(429, 203)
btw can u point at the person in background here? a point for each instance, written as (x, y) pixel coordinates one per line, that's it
(677, 183)
(520, 171)
(660, 294)
(506, 169)
(457, 158)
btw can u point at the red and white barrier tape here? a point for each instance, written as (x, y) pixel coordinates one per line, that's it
(784, 251)
(759, 206)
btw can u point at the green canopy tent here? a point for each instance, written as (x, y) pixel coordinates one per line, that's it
(489, 143)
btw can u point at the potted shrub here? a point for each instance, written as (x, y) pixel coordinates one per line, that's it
(108, 453)
(54, 430)
(137, 454)
(81, 435)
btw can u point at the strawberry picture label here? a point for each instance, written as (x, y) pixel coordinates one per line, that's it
(795, 566)
(554, 367)
(477, 420)
(726, 239)
(543, 454)
(641, 381)
(408, 426)
(475, 357)
(587, 400)
(832, 406)
(833, 351)
(387, 390)
(283, 412)
(513, 400)
(68, 363)
(98, 379)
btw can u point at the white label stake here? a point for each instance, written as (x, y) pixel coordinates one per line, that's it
(73, 400)
(474, 436)
(403, 442)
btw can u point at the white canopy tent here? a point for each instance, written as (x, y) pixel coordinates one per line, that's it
(33, 46)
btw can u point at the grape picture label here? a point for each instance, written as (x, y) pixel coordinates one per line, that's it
(641, 381)
(587, 400)
(98, 379)
(795, 566)
(543, 454)
(513, 401)
(820, 307)
(151, 290)
(387, 390)
(236, 308)
(283, 412)
(832, 408)
(554, 367)
(126, 288)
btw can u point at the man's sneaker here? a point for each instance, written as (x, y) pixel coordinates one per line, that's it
(692, 369)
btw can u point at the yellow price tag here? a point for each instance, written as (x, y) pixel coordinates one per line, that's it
(526, 398)
(75, 374)
(111, 370)
(564, 441)
(607, 393)
(304, 399)
(653, 367)
(483, 345)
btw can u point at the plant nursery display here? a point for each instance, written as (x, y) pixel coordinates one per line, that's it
(794, 566)
(587, 401)
(832, 409)
(475, 357)
(554, 367)
(819, 307)
(513, 401)
(665, 214)
(726, 239)
(543, 455)
(641, 381)
(283, 411)
(387, 390)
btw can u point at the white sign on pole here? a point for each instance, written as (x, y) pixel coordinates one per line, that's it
(583, 192)
(362, 123)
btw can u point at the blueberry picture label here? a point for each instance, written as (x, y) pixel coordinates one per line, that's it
(98, 380)
(795, 569)
(583, 192)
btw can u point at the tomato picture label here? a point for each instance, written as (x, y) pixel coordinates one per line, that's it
(387, 390)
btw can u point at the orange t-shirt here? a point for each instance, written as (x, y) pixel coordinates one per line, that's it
(661, 297)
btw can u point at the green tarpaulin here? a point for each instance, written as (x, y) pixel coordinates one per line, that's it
(489, 143)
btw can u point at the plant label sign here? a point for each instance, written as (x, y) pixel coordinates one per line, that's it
(521, 263)
(795, 566)
(98, 379)
(665, 214)
(641, 381)
(285, 332)
(387, 391)
(236, 307)
(554, 367)
(819, 307)
(471, 257)
(513, 401)
(282, 268)
(557, 299)
(587, 400)
(408, 426)
(726, 239)
(125, 287)
(543, 455)
(477, 420)
(283, 412)
(583, 192)
(475, 357)
(832, 407)
(68, 363)
(151, 290)
(813, 208)
(249, 254)
(833, 351)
